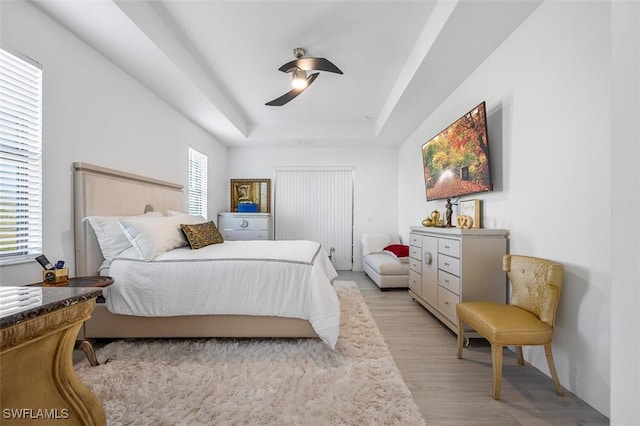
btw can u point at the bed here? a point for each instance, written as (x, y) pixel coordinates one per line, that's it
(299, 271)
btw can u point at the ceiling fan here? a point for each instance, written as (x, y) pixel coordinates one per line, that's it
(299, 79)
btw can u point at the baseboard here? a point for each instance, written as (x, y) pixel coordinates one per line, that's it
(596, 398)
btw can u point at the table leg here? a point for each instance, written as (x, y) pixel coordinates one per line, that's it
(87, 348)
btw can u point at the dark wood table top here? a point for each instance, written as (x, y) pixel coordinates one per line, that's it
(96, 281)
(18, 304)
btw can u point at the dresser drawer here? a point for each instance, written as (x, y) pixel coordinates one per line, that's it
(233, 235)
(449, 264)
(415, 281)
(448, 281)
(415, 265)
(415, 240)
(447, 302)
(415, 252)
(248, 223)
(244, 226)
(449, 247)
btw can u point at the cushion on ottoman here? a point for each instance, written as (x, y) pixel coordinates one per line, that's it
(384, 264)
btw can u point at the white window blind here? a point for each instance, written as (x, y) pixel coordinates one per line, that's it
(197, 183)
(20, 157)
(317, 204)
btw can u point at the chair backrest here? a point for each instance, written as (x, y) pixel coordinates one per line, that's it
(535, 285)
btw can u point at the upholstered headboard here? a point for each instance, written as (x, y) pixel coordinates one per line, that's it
(99, 191)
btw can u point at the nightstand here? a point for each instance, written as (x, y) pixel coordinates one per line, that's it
(95, 281)
(38, 329)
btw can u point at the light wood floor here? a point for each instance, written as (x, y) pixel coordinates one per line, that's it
(457, 392)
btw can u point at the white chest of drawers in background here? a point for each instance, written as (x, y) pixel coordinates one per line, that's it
(245, 226)
(449, 266)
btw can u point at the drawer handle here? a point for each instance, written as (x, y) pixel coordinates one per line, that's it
(446, 281)
(446, 246)
(427, 258)
(446, 264)
(244, 223)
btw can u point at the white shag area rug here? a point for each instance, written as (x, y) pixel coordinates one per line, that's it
(256, 381)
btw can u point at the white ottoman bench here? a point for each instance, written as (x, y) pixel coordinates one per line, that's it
(380, 260)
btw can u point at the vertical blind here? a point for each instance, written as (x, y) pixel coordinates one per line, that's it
(20, 157)
(317, 204)
(197, 183)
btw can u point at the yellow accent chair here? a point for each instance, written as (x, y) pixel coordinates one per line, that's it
(527, 320)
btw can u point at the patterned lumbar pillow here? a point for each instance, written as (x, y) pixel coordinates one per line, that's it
(202, 234)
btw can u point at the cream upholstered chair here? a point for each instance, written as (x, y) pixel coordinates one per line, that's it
(527, 320)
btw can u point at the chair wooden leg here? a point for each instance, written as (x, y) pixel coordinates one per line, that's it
(460, 337)
(552, 369)
(496, 356)
(519, 356)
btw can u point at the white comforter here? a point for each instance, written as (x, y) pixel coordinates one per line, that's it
(271, 278)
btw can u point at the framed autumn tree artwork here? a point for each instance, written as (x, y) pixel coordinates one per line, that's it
(456, 160)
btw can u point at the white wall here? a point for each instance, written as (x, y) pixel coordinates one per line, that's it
(625, 187)
(547, 90)
(375, 180)
(96, 113)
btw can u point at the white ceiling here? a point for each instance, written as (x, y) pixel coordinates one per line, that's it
(217, 61)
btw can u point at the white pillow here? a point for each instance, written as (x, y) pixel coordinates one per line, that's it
(109, 233)
(151, 237)
(190, 218)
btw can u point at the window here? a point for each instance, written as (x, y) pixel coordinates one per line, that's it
(20, 157)
(197, 183)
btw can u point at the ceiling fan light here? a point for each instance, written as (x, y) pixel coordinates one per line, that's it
(299, 79)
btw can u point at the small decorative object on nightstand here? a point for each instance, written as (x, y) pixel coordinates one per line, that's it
(53, 275)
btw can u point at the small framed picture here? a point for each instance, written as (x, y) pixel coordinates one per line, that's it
(472, 208)
(251, 195)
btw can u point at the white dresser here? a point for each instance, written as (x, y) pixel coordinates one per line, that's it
(245, 226)
(450, 265)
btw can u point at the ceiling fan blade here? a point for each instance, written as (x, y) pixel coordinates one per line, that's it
(292, 93)
(308, 64)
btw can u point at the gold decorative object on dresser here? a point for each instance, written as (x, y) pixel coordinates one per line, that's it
(38, 384)
(452, 265)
